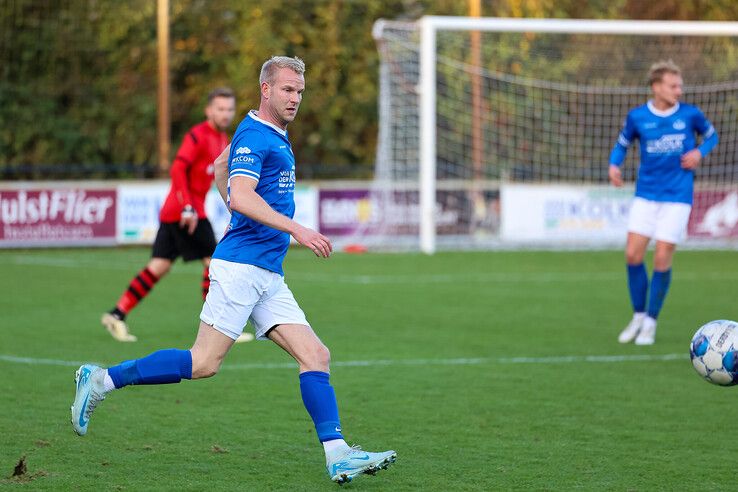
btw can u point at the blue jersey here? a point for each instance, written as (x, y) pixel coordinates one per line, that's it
(664, 137)
(262, 152)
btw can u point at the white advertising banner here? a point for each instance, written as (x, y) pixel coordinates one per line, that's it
(138, 211)
(564, 214)
(306, 206)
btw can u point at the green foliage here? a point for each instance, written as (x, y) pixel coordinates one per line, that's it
(78, 79)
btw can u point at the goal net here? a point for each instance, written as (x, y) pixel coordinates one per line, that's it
(470, 107)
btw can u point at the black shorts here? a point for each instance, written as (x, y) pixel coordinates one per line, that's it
(173, 241)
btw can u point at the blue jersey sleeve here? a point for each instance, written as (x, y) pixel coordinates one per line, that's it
(249, 150)
(709, 135)
(625, 138)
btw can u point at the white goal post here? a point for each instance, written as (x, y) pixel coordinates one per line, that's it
(620, 74)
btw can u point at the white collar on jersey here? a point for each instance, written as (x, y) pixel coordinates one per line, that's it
(252, 114)
(664, 113)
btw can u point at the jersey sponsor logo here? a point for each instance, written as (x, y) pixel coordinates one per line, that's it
(287, 181)
(247, 159)
(679, 125)
(243, 150)
(667, 144)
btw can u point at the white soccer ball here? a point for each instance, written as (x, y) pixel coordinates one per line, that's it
(714, 352)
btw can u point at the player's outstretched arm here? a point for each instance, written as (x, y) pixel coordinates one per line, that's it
(246, 201)
(220, 172)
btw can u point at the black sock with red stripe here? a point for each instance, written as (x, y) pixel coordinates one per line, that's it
(205, 282)
(139, 288)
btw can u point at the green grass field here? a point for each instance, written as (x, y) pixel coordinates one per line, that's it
(484, 371)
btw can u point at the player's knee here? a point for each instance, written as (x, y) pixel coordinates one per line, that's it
(633, 256)
(159, 266)
(318, 358)
(324, 355)
(661, 263)
(662, 257)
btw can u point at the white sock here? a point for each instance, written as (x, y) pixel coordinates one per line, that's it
(108, 382)
(639, 316)
(330, 446)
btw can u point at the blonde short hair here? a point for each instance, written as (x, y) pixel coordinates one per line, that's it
(270, 67)
(658, 69)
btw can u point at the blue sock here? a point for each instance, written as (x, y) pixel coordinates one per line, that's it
(162, 367)
(638, 286)
(320, 402)
(659, 287)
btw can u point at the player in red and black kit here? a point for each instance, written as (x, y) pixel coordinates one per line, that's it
(185, 229)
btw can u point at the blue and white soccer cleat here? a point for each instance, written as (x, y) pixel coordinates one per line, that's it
(90, 392)
(349, 463)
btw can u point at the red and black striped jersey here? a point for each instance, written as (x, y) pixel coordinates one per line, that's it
(192, 171)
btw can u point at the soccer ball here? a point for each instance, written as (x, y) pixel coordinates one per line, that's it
(714, 352)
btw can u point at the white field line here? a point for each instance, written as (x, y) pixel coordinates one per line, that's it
(408, 278)
(41, 362)
(502, 277)
(566, 359)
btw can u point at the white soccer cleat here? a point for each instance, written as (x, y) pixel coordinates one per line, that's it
(244, 337)
(631, 331)
(90, 391)
(647, 335)
(117, 328)
(348, 463)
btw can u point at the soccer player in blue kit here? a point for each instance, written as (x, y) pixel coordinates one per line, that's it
(247, 280)
(660, 209)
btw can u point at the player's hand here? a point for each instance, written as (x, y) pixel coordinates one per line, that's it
(188, 219)
(616, 177)
(315, 241)
(691, 159)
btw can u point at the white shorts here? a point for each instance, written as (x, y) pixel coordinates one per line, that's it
(239, 293)
(662, 221)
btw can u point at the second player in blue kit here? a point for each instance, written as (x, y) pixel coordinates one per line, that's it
(667, 131)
